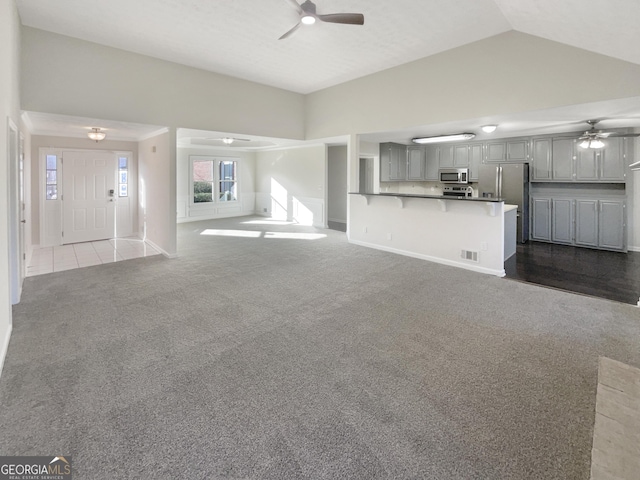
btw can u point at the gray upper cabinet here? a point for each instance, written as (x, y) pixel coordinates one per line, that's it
(562, 158)
(475, 159)
(415, 163)
(446, 156)
(612, 160)
(587, 161)
(432, 162)
(461, 156)
(517, 151)
(513, 150)
(393, 162)
(541, 160)
(602, 165)
(496, 151)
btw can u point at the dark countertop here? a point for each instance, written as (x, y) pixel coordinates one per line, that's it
(437, 197)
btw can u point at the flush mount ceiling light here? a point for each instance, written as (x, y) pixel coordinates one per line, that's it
(227, 140)
(444, 138)
(96, 134)
(489, 128)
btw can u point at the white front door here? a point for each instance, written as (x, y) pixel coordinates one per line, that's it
(89, 195)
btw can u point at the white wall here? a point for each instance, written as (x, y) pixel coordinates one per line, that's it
(337, 184)
(9, 108)
(291, 184)
(62, 143)
(507, 73)
(62, 75)
(157, 192)
(246, 185)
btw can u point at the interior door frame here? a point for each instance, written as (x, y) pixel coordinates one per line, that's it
(15, 258)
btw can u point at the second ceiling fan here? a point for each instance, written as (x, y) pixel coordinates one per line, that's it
(308, 16)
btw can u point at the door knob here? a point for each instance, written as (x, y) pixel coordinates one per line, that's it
(23, 221)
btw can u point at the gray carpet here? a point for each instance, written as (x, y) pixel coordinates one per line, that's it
(271, 358)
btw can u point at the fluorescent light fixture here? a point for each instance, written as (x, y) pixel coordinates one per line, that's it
(489, 128)
(308, 20)
(444, 138)
(96, 134)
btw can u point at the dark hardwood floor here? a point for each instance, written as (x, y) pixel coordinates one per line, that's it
(611, 275)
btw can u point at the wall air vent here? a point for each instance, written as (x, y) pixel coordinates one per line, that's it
(469, 255)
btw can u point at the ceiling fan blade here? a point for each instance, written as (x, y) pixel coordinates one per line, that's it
(346, 18)
(614, 134)
(296, 5)
(290, 32)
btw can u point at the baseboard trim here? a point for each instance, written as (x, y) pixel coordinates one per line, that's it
(429, 258)
(4, 348)
(161, 250)
(633, 249)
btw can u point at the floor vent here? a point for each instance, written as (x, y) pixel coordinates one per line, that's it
(469, 255)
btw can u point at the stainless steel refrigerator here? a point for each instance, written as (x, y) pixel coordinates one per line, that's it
(509, 181)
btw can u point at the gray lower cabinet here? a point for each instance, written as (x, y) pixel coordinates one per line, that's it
(562, 220)
(587, 223)
(541, 219)
(611, 224)
(584, 222)
(415, 163)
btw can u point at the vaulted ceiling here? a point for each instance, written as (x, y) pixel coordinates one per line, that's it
(240, 37)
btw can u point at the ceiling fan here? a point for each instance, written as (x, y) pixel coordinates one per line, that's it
(593, 138)
(308, 16)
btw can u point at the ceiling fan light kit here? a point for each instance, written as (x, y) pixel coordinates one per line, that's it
(592, 143)
(308, 16)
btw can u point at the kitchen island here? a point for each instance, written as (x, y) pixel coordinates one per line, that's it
(465, 232)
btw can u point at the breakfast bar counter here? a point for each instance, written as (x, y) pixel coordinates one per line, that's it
(465, 232)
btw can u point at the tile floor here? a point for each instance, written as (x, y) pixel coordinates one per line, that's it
(78, 255)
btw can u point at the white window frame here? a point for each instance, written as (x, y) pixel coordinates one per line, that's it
(216, 181)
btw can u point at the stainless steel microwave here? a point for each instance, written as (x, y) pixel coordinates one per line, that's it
(453, 175)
